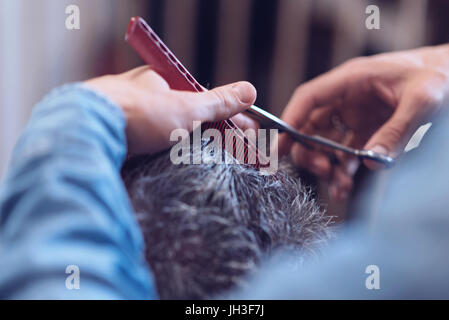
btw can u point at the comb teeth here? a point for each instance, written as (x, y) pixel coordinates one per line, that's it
(170, 57)
(156, 54)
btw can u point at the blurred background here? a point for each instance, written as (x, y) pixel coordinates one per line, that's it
(275, 44)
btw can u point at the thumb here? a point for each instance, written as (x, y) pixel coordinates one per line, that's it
(220, 103)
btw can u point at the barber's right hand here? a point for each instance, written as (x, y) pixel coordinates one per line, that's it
(374, 103)
(153, 110)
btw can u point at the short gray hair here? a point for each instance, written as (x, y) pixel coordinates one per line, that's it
(208, 226)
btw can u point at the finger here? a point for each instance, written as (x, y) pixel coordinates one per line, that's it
(314, 161)
(394, 135)
(220, 103)
(284, 144)
(321, 91)
(319, 119)
(244, 122)
(341, 184)
(320, 123)
(349, 139)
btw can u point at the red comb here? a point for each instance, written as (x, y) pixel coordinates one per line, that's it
(156, 54)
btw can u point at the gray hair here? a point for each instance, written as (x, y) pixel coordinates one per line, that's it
(207, 227)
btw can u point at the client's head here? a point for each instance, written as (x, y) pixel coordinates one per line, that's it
(207, 227)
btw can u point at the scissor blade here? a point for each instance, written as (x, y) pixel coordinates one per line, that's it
(269, 120)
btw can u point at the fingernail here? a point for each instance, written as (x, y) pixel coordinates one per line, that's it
(373, 164)
(245, 92)
(380, 149)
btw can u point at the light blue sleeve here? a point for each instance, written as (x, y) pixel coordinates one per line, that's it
(63, 204)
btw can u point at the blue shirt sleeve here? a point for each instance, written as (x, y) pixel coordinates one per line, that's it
(64, 209)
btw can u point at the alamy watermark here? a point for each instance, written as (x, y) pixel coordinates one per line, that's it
(373, 19)
(72, 282)
(226, 147)
(73, 20)
(372, 282)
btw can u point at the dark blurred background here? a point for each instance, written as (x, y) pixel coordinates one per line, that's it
(275, 44)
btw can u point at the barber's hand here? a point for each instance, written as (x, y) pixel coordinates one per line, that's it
(153, 111)
(374, 103)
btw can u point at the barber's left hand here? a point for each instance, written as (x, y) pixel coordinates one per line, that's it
(153, 110)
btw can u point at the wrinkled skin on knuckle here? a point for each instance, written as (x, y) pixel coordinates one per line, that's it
(430, 91)
(396, 133)
(179, 112)
(426, 97)
(225, 103)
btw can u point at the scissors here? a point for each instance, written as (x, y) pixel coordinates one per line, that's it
(156, 54)
(269, 121)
